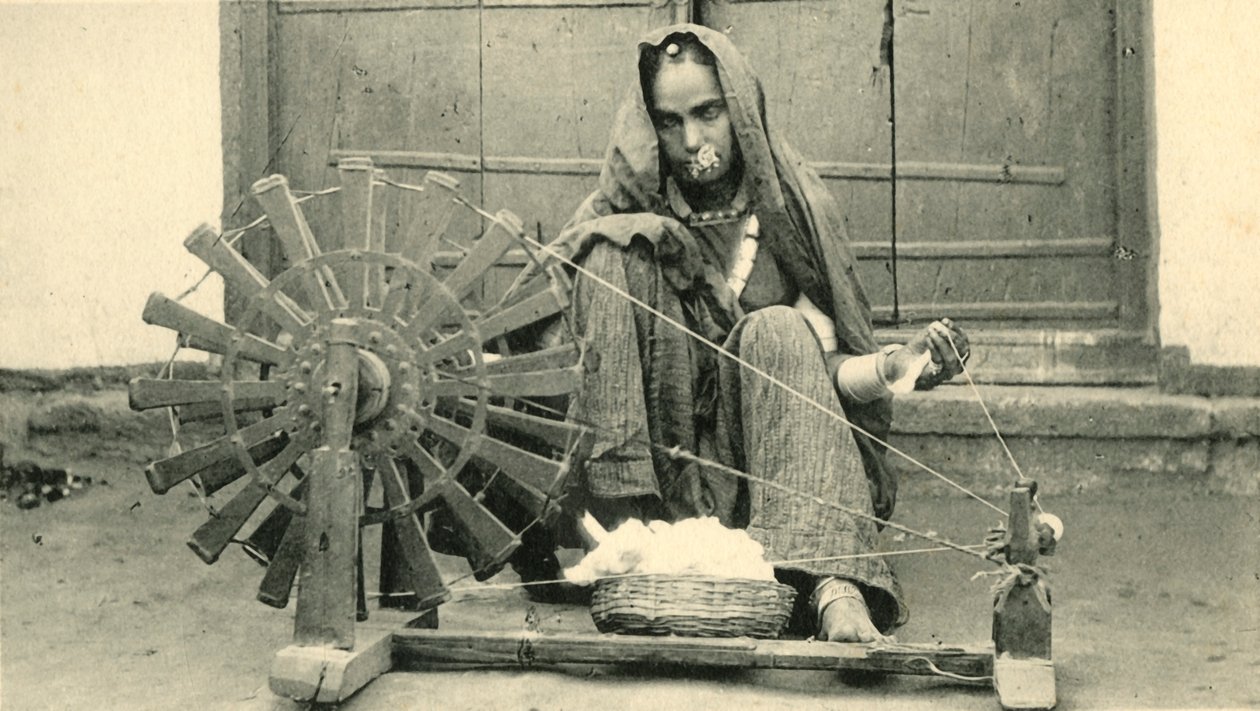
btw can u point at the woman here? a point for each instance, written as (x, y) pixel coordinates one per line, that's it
(707, 216)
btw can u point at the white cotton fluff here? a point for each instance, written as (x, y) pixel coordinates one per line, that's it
(694, 546)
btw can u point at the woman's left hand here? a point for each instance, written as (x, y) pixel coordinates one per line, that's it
(949, 347)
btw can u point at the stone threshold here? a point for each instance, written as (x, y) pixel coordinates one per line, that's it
(1079, 439)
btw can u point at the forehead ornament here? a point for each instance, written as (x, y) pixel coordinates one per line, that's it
(672, 49)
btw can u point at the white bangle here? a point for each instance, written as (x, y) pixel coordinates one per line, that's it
(861, 378)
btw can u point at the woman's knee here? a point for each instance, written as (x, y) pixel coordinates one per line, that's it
(630, 267)
(603, 259)
(779, 327)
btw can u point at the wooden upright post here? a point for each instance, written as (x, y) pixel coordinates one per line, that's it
(324, 664)
(1023, 673)
(326, 598)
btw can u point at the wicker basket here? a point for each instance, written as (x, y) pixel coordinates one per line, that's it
(691, 606)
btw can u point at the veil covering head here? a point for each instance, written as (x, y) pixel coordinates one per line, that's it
(800, 220)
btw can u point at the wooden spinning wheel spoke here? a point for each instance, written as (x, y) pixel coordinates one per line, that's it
(430, 468)
(559, 381)
(558, 358)
(530, 500)
(208, 335)
(221, 474)
(420, 570)
(166, 473)
(277, 582)
(490, 541)
(213, 411)
(263, 543)
(209, 541)
(503, 232)
(429, 316)
(364, 285)
(298, 241)
(424, 491)
(529, 468)
(433, 211)
(148, 393)
(558, 434)
(207, 245)
(534, 504)
(530, 309)
(452, 347)
(401, 296)
(528, 312)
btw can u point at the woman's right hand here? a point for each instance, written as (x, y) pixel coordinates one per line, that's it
(949, 349)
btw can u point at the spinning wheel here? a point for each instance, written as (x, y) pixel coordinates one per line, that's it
(366, 368)
(362, 365)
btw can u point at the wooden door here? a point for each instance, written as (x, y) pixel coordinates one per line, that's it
(553, 76)
(989, 158)
(1006, 197)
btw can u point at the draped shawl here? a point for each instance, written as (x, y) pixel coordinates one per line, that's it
(800, 223)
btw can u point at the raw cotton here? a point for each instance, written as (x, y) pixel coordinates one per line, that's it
(694, 546)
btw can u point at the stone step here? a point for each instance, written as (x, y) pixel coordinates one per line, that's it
(1027, 356)
(1076, 439)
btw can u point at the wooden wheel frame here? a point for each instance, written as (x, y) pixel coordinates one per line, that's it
(372, 367)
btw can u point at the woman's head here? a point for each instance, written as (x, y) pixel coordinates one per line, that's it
(688, 108)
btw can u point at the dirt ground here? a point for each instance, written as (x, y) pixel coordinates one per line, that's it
(1157, 605)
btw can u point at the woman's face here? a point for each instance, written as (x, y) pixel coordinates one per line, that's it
(692, 123)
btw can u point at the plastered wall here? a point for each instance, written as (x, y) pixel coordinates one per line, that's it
(1207, 151)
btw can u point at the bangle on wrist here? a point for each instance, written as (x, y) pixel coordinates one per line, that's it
(861, 378)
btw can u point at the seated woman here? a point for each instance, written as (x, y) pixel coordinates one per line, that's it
(704, 214)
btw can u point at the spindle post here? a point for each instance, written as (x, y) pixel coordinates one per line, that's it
(1023, 673)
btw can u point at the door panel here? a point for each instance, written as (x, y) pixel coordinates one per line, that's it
(553, 78)
(401, 86)
(830, 102)
(1016, 96)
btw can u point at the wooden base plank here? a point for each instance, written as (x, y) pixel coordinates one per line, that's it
(326, 675)
(1024, 683)
(418, 648)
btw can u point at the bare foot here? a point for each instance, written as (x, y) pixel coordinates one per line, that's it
(842, 614)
